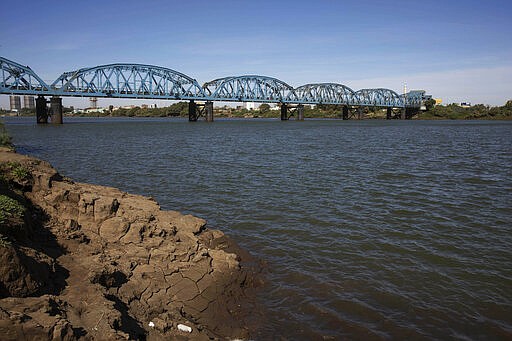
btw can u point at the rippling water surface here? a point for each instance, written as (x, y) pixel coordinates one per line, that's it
(371, 229)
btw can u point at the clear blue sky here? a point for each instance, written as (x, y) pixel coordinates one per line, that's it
(456, 50)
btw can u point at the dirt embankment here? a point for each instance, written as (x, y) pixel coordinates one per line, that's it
(91, 262)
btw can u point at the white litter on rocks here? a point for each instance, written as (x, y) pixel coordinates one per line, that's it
(184, 328)
(151, 324)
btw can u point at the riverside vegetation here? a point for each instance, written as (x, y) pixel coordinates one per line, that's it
(180, 109)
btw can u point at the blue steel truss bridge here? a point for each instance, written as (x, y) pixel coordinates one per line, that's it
(139, 81)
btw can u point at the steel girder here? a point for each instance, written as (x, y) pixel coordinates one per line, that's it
(130, 81)
(249, 88)
(325, 93)
(18, 79)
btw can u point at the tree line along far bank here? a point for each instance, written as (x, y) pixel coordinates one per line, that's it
(180, 109)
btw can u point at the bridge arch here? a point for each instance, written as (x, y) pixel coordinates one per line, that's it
(415, 98)
(129, 80)
(249, 88)
(325, 93)
(379, 97)
(18, 79)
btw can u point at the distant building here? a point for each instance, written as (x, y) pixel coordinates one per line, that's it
(93, 110)
(250, 105)
(29, 102)
(15, 102)
(465, 105)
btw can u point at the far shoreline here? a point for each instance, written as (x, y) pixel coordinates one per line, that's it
(321, 111)
(415, 118)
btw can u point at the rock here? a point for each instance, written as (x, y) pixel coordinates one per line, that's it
(24, 271)
(160, 325)
(104, 207)
(116, 263)
(184, 328)
(113, 229)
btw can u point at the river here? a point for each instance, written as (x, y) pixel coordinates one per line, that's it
(371, 229)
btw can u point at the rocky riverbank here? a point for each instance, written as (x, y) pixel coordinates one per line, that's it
(81, 261)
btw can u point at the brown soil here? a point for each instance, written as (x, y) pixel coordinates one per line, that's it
(97, 263)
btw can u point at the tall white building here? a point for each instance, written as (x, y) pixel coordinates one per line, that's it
(29, 102)
(15, 102)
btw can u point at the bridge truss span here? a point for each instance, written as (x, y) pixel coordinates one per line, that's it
(415, 98)
(130, 81)
(379, 97)
(155, 82)
(250, 88)
(325, 93)
(18, 79)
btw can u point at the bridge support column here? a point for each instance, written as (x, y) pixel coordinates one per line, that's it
(300, 113)
(388, 113)
(410, 112)
(41, 110)
(284, 112)
(403, 114)
(192, 111)
(208, 108)
(56, 109)
(360, 113)
(344, 112)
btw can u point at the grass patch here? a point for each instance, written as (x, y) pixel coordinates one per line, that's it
(4, 241)
(10, 209)
(5, 138)
(14, 171)
(18, 171)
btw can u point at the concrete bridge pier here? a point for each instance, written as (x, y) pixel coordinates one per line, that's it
(56, 109)
(403, 114)
(360, 113)
(192, 111)
(208, 108)
(41, 110)
(344, 112)
(410, 112)
(388, 113)
(300, 112)
(284, 112)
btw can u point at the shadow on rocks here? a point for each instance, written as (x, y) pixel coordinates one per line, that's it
(128, 325)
